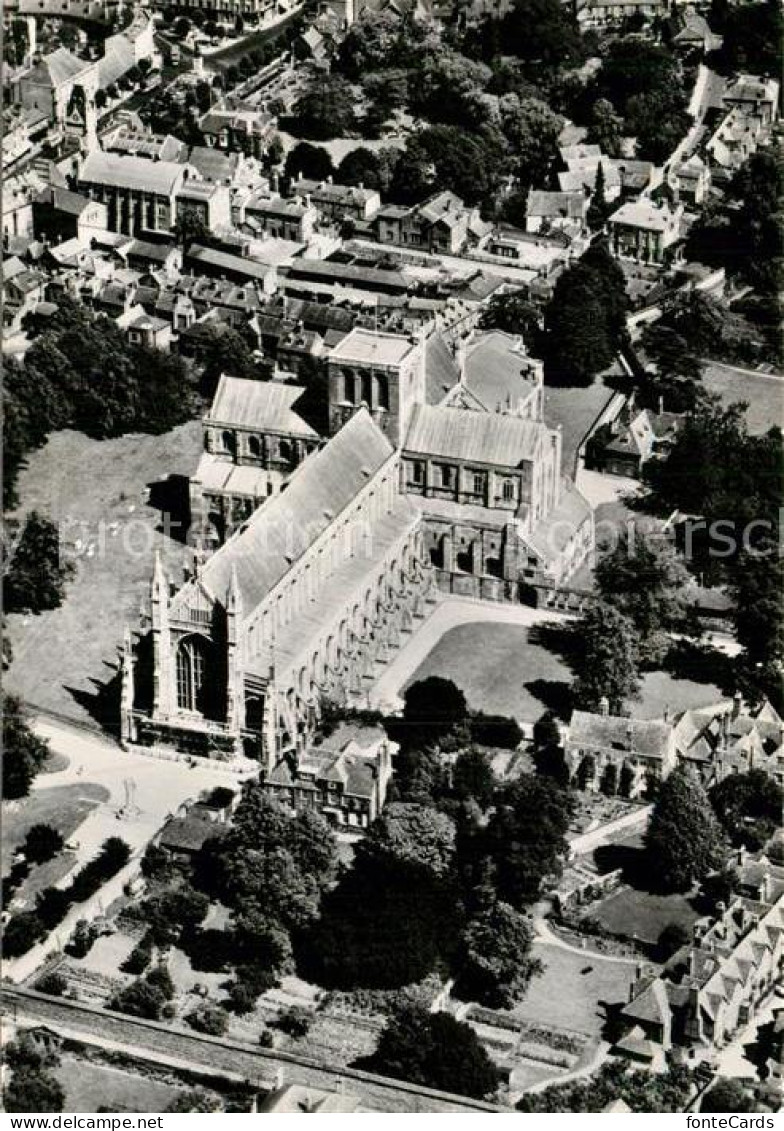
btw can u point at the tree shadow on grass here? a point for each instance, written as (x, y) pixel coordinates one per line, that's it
(554, 694)
(559, 639)
(171, 496)
(102, 704)
(632, 861)
(700, 663)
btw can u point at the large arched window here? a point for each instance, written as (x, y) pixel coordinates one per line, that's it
(382, 390)
(191, 671)
(367, 389)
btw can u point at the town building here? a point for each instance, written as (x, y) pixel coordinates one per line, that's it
(343, 777)
(646, 232)
(281, 219)
(624, 444)
(140, 193)
(711, 988)
(443, 224)
(63, 86)
(603, 749)
(337, 203)
(297, 605)
(59, 214)
(545, 211)
(254, 438)
(727, 738)
(244, 129)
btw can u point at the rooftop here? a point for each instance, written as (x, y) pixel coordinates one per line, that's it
(265, 406)
(498, 371)
(640, 736)
(283, 528)
(139, 173)
(373, 346)
(473, 437)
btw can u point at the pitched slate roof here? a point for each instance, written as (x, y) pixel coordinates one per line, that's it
(441, 371)
(476, 437)
(639, 736)
(497, 368)
(267, 406)
(283, 528)
(138, 173)
(61, 66)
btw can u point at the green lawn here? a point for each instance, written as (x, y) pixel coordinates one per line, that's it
(500, 670)
(574, 990)
(629, 912)
(90, 1087)
(763, 393)
(504, 669)
(95, 491)
(63, 806)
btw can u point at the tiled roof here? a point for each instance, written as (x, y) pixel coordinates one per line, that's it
(552, 534)
(239, 264)
(474, 437)
(639, 736)
(212, 164)
(283, 528)
(138, 173)
(497, 369)
(61, 65)
(266, 406)
(556, 205)
(441, 372)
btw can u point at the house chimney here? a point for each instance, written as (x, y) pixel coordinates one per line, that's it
(737, 703)
(604, 705)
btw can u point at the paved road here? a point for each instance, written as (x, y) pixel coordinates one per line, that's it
(163, 1044)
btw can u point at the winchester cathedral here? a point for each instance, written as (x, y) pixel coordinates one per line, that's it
(321, 549)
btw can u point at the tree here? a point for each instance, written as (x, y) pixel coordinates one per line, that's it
(585, 318)
(190, 226)
(684, 841)
(749, 807)
(606, 127)
(609, 782)
(37, 573)
(644, 579)
(432, 708)
(196, 1100)
(496, 963)
(598, 210)
(309, 161)
(220, 349)
(437, 1051)
(642, 1091)
(412, 835)
(671, 939)
(541, 33)
(626, 780)
(727, 1095)
(525, 837)
(21, 933)
(514, 314)
(23, 752)
(532, 130)
(473, 778)
(360, 167)
(101, 98)
(41, 843)
(141, 998)
(606, 658)
(32, 1090)
(326, 109)
(470, 163)
(210, 1019)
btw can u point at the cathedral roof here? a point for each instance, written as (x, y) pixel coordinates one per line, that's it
(473, 437)
(283, 529)
(266, 406)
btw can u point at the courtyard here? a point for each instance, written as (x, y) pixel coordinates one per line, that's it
(508, 660)
(65, 661)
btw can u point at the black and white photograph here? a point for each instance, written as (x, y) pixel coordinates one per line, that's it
(393, 590)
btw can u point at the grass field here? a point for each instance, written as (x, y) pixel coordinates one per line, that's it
(92, 1087)
(95, 492)
(574, 990)
(764, 393)
(63, 806)
(644, 914)
(502, 668)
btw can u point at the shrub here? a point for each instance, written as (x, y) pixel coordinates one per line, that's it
(241, 998)
(52, 983)
(82, 939)
(42, 843)
(209, 1019)
(139, 958)
(266, 1039)
(295, 1022)
(140, 999)
(160, 977)
(52, 906)
(22, 931)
